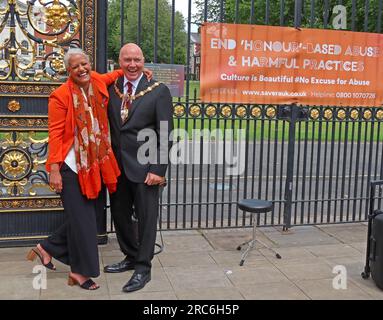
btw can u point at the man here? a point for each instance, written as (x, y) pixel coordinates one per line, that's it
(137, 106)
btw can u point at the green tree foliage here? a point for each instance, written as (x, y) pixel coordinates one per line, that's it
(147, 30)
(362, 15)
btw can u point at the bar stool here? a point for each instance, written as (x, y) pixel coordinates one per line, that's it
(254, 206)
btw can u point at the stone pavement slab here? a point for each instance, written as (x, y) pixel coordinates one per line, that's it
(301, 236)
(224, 293)
(322, 289)
(307, 271)
(282, 290)
(230, 259)
(185, 259)
(334, 250)
(254, 275)
(18, 287)
(346, 233)
(197, 277)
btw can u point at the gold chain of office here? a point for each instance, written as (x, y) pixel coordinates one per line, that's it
(131, 98)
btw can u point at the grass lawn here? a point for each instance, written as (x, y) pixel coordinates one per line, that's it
(279, 131)
(39, 135)
(193, 92)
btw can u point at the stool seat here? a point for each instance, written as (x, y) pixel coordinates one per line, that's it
(255, 205)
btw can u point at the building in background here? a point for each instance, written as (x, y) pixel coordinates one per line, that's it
(195, 55)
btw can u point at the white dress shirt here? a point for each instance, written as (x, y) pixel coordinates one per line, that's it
(134, 83)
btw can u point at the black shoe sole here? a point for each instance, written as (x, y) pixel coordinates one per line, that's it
(135, 289)
(117, 271)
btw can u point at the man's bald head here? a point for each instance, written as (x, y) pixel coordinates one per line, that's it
(131, 61)
(131, 47)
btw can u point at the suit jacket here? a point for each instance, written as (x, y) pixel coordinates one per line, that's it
(146, 112)
(61, 122)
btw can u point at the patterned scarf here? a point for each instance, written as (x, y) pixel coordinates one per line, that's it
(94, 156)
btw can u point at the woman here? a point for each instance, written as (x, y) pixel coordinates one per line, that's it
(80, 159)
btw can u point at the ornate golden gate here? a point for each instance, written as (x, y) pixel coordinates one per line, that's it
(33, 38)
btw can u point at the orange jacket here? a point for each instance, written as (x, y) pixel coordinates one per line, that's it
(61, 123)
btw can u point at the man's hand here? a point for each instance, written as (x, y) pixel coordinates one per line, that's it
(55, 180)
(152, 179)
(148, 73)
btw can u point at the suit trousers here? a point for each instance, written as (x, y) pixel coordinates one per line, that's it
(140, 200)
(75, 242)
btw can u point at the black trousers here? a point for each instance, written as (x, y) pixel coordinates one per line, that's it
(142, 201)
(75, 242)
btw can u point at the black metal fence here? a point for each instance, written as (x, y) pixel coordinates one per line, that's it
(314, 163)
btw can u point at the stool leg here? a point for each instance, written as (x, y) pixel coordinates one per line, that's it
(251, 244)
(248, 241)
(271, 249)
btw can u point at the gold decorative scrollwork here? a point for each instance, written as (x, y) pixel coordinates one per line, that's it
(15, 164)
(22, 156)
(354, 114)
(379, 114)
(271, 112)
(341, 114)
(22, 203)
(256, 112)
(29, 90)
(14, 140)
(226, 111)
(179, 110)
(14, 106)
(211, 111)
(195, 110)
(15, 188)
(57, 15)
(328, 114)
(11, 123)
(367, 114)
(314, 113)
(37, 34)
(32, 191)
(89, 32)
(241, 111)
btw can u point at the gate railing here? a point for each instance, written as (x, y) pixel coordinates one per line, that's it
(314, 163)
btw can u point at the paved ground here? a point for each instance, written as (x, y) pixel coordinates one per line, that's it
(204, 264)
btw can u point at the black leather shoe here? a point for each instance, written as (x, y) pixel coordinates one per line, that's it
(137, 281)
(122, 266)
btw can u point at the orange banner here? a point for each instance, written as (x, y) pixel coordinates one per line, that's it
(283, 65)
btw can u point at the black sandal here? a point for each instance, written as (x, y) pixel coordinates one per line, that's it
(87, 285)
(36, 253)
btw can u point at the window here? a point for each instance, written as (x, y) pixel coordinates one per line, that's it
(24, 23)
(25, 47)
(40, 50)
